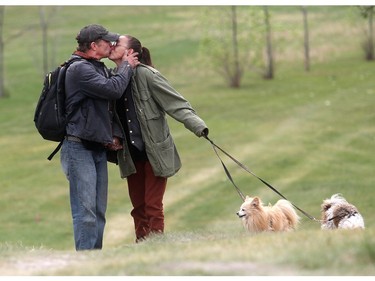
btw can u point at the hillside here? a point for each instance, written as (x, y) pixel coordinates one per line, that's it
(309, 134)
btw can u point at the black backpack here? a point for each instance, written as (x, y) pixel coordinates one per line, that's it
(50, 118)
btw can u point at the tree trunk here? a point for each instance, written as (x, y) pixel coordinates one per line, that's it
(269, 74)
(44, 26)
(306, 39)
(371, 35)
(367, 12)
(236, 76)
(2, 84)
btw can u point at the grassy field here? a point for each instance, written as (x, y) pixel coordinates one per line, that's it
(308, 134)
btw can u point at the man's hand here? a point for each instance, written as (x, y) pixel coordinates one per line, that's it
(115, 145)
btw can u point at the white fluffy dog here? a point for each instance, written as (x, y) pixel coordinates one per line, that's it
(338, 213)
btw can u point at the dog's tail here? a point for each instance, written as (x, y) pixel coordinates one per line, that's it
(289, 212)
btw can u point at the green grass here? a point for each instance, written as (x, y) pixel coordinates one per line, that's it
(219, 251)
(308, 134)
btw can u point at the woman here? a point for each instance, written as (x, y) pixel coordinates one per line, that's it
(149, 155)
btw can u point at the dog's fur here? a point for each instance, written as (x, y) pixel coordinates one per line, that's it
(338, 213)
(257, 218)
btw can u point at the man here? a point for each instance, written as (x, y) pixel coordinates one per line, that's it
(89, 90)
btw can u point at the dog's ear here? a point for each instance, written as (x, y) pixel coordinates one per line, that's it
(247, 197)
(255, 201)
(326, 206)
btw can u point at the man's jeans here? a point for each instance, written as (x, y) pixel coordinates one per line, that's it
(87, 173)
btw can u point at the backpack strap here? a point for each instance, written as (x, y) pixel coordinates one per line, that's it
(66, 64)
(55, 151)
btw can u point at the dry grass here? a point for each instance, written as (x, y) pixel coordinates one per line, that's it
(228, 252)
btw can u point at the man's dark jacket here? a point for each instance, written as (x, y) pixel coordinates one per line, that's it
(89, 90)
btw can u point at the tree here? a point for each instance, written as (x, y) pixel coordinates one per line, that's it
(2, 83)
(306, 40)
(44, 27)
(231, 43)
(368, 45)
(269, 73)
(45, 22)
(235, 77)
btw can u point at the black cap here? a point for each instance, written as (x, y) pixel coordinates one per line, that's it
(95, 32)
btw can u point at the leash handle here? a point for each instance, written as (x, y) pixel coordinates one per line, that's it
(214, 146)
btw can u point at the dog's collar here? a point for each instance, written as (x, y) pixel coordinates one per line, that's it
(271, 223)
(349, 215)
(352, 214)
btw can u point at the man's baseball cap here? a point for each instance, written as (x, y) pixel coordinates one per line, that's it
(93, 32)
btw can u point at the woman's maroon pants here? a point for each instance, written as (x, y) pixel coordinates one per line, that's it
(146, 193)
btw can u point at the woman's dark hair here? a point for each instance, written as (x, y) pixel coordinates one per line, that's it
(144, 55)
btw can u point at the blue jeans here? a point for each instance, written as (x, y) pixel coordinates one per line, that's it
(87, 173)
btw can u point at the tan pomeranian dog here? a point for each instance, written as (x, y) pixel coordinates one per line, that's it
(257, 218)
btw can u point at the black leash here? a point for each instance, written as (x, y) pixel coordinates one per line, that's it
(214, 146)
(227, 172)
